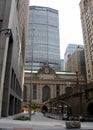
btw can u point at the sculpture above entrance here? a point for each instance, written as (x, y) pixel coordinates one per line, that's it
(46, 69)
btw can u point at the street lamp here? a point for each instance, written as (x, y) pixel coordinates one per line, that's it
(30, 91)
(7, 31)
(31, 85)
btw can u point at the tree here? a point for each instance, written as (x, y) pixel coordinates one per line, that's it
(32, 106)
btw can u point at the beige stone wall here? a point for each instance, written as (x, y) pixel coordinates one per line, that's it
(51, 80)
(86, 9)
(73, 62)
(76, 63)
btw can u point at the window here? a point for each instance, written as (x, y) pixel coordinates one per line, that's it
(46, 93)
(91, 57)
(89, 71)
(34, 91)
(0, 24)
(57, 90)
(89, 76)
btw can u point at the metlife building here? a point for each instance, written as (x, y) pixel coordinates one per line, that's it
(43, 44)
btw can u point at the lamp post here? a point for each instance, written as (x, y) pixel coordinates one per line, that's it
(31, 78)
(31, 85)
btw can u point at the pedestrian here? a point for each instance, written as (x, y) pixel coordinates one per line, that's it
(44, 112)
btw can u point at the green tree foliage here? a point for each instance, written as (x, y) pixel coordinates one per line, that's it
(32, 105)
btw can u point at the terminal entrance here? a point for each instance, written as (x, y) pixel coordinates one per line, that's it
(61, 107)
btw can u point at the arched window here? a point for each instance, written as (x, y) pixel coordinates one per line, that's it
(45, 93)
(57, 90)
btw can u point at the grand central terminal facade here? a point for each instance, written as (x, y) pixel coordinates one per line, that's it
(45, 84)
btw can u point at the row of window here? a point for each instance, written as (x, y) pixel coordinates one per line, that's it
(1, 24)
(45, 89)
(15, 86)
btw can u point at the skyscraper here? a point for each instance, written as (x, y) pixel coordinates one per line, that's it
(86, 8)
(43, 37)
(13, 21)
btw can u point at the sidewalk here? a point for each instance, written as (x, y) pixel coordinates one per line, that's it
(39, 122)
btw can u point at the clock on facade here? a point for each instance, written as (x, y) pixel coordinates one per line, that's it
(46, 70)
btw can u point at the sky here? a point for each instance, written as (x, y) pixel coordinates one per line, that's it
(69, 21)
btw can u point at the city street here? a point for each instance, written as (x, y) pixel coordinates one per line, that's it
(39, 122)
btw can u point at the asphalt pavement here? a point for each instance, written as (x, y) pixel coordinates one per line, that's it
(39, 122)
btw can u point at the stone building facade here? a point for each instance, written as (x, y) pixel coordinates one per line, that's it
(46, 84)
(86, 9)
(13, 19)
(69, 51)
(76, 62)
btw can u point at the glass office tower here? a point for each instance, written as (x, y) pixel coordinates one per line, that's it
(43, 38)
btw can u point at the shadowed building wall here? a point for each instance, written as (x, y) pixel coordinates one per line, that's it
(13, 15)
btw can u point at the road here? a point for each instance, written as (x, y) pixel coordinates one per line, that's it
(39, 122)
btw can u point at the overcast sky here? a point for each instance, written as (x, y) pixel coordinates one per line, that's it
(69, 21)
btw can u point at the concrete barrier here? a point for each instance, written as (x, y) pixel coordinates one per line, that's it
(73, 124)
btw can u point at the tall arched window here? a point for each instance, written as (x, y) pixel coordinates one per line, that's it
(57, 90)
(45, 93)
